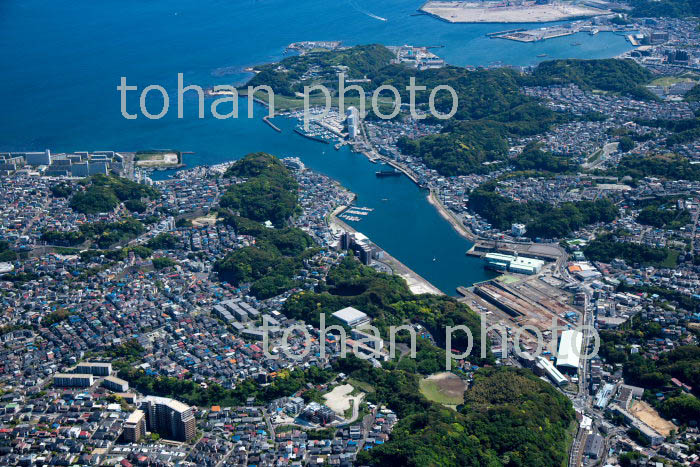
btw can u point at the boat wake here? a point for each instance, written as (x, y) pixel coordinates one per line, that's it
(365, 12)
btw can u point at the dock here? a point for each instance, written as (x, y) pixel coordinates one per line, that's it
(501, 33)
(416, 283)
(266, 119)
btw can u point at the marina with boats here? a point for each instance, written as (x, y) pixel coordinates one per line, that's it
(355, 213)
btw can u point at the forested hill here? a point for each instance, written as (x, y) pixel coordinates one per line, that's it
(623, 76)
(665, 8)
(291, 74)
(542, 219)
(269, 193)
(510, 417)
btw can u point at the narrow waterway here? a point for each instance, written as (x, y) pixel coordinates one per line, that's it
(64, 59)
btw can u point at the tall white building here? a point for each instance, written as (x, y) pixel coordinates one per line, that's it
(353, 120)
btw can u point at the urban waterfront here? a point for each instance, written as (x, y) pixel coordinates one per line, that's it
(76, 86)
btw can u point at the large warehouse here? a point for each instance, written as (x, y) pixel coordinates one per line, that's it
(351, 316)
(569, 349)
(517, 264)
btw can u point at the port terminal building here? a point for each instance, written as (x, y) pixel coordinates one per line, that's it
(516, 264)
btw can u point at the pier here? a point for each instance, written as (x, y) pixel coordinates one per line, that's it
(416, 283)
(501, 33)
(266, 119)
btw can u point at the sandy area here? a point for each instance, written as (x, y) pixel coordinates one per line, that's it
(339, 399)
(204, 220)
(469, 12)
(651, 417)
(419, 287)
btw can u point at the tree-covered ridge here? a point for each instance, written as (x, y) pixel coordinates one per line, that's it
(269, 193)
(665, 8)
(541, 219)
(350, 284)
(286, 383)
(102, 193)
(388, 301)
(664, 214)
(682, 131)
(464, 147)
(694, 94)
(510, 417)
(6, 253)
(102, 234)
(623, 76)
(288, 76)
(608, 247)
(491, 108)
(670, 166)
(534, 158)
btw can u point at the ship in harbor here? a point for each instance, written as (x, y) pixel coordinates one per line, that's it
(388, 173)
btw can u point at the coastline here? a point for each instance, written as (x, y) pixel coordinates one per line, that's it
(432, 199)
(447, 215)
(417, 284)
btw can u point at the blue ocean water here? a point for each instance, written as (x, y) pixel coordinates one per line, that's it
(61, 62)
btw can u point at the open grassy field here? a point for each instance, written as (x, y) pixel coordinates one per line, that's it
(670, 81)
(443, 388)
(671, 260)
(361, 385)
(507, 279)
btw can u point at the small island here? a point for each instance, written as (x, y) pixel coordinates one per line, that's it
(516, 12)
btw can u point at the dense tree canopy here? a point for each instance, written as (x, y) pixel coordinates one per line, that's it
(389, 302)
(665, 8)
(542, 219)
(664, 216)
(285, 77)
(269, 194)
(103, 193)
(625, 76)
(534, 158)
(668, 166)
(607, 247)
(465, 147)
(509, 417)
